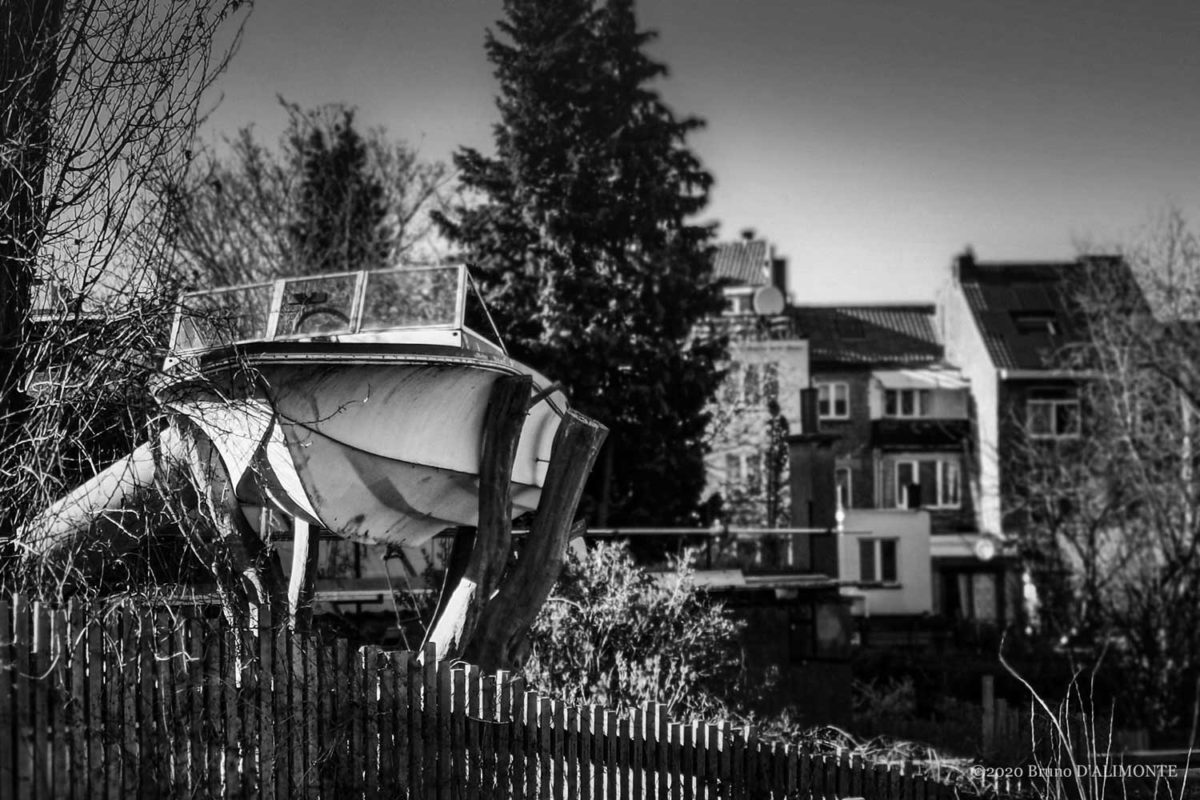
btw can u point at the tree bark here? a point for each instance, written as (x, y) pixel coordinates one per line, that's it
(463, 600)
(506, 620)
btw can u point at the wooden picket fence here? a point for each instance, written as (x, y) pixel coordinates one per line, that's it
(144, 703)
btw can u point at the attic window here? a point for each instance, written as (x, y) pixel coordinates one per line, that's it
(1035, 322)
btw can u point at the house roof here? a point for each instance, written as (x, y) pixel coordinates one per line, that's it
(746, 262)
(1027, 311)
(869, 335)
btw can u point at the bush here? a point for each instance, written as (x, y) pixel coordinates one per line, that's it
(615, 635)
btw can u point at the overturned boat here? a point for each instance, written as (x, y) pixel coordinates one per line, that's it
(352, 401)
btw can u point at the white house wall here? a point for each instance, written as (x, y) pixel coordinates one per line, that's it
(965, 348)
(914, 592)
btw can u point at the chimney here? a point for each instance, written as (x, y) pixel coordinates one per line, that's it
(964, 262)
(814, 489)
(748, 234)
(809, 418)
(779, 275)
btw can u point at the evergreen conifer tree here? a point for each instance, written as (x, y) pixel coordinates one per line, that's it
(586, 246)
(342, 206)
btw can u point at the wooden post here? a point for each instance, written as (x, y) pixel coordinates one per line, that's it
(506, 620)
(303, 577)
(989, 713)
(505, 416)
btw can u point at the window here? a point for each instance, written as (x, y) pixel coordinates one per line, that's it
(739, 301)
(1053, 419)
(842, 478)
(877, 560)
(905, 402)
(743, 471)
(928, 483)
(1035, 322)
(833, 401)
(745, 384)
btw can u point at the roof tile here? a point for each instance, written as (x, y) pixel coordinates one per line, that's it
(869, 335)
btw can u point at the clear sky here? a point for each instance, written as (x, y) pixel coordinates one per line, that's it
(869, 140)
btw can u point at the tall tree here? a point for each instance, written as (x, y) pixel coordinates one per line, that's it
(341, 208)
(585, 244)
(326, 197)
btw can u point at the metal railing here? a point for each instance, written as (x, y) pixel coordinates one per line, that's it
(337, 304)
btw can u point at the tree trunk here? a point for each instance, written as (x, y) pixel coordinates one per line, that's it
(463, 598)
(506, 620)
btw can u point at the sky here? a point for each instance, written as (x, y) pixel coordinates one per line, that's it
(869, 140)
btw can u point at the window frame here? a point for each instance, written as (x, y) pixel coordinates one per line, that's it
(1052, 405)
(876, 543)
(749, 475)
(833, 387)
(921, 402)
(848, 502)
(936, 500)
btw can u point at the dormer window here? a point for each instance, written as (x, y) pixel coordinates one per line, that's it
(1036, 322)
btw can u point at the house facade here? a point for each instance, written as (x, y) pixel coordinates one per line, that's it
(1007, 325)
(759, 402)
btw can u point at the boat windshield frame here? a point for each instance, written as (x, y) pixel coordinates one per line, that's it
(277, 305)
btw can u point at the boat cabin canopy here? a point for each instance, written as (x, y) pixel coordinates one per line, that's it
(427, 305)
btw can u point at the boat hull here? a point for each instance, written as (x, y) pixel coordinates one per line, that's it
(381, 447)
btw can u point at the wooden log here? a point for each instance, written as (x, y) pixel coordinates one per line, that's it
(479, 556)
(302, 580)
(506, 619)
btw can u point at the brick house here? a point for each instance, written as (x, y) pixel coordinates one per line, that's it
(902, 456)
(1006, 324)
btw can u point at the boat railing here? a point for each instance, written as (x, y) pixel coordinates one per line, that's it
(328, 305)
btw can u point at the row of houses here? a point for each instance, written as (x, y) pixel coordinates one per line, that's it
(920, 411)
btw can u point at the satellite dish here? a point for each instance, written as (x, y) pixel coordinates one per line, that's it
(768, 301)
(985, 548)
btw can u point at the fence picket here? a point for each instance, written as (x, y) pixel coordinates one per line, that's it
(429, 720)
(40, 666)
(612, 753)
(533, 749)
(386, 723)
(516, 733)
(445, 753)
(688, 755)
(638, 752)
(458, 732)
(571, 750)
(369, 656)
(596, 720)
(476, 730)
(8, 700)
(503, 716)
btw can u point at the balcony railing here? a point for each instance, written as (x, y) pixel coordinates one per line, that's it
(749, 328)
(341, 304)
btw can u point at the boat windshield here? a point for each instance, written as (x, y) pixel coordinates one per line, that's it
(343, 305)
